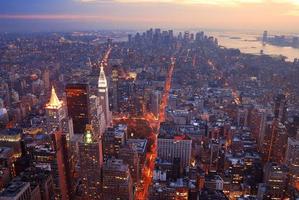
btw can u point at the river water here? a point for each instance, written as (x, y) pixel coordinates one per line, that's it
(248, 43)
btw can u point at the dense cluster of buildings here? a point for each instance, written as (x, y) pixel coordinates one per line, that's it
(73, 126)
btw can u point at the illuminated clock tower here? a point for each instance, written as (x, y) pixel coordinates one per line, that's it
(103, 94)
(56, 113)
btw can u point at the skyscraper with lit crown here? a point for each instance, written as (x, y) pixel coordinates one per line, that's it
(56, 113)
(103, 94)
(91, 161)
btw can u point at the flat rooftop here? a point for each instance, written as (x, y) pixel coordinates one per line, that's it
(14, 188)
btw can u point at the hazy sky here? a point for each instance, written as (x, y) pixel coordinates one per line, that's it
(45, 15)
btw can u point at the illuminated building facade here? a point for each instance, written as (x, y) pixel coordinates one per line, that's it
(171, 147)
(155, 102)
(275, 178)
(97, 115)
(130, 156)
(114, 89)
(91, 161)
(53, 158)
(117, 180)
(6, 162)
(292, 161)
(103, 94)
(78, 106)
(56, 114)
(12, 138)
(274, 142)
(114, 139)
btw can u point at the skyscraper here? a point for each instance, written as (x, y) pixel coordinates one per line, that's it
(46, 78)
(115, 89)
(53, 158)
(57, 119)
(292, 160)
(97, 115)
(117, 181)
(77, 106)
(155, 102)
(275, 178)
(103, 94)
(114, 138)
(91, 161)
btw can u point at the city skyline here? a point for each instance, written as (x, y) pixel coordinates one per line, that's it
(149, 99)
(66, 15)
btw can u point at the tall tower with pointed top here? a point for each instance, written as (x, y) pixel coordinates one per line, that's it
(56, 113)
(57, 118)
(103, 94)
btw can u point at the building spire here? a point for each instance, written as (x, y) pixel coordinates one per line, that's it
(54, 102)
(102, 79)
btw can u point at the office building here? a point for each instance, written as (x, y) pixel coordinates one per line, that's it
(115, 88)
(39, 178)
(292, 160)
(117, 180)
(275, 178)
(178, 146)
(53, 158)
(97, 115)
(130, 157)
(155, 102)
(90, 161)
(77, 106)
(114, 138)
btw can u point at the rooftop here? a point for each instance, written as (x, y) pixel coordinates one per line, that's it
(14, 188)
(140, 144)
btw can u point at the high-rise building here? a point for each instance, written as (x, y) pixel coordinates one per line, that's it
(52, 157)
(170, 147)
(57, 115)
(155, 102)
(292, 160)
(78, 106)
(275, 142)
(39, 178)
(275, 178)
(91, 161)
(97, 115)
(280, 102)
(103, 94)
(129, 155)
(115, 89)
(114, 138)
(46, 79)
(57, 120)
(117, 181)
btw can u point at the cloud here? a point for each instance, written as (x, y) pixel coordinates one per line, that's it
(213, 2)
(200, 2)
(80, 17)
